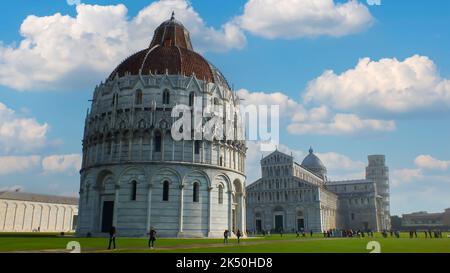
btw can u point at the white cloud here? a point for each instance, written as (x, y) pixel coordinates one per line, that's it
(387, 85)
(341, 124)
(429, 162)
(15, 164)
(288, 106)
(405, 176)
(61, 163)
(12, 188)
(18, 134)
(339, 162)
(304, 18)
(59, 50)
(317, 120)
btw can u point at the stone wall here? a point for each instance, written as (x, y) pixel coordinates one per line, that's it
(26, 216)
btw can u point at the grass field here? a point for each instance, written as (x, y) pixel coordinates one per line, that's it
(289, 243)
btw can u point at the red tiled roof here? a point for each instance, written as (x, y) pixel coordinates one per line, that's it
(170, 50)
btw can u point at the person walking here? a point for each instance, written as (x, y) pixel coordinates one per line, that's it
(151, 238)
(238, 235)
(225, 236)
(112, 237)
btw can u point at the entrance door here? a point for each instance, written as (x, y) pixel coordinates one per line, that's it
(278, 222)
(258, 225)
(366, 225)
(107, 215)
(300, 224)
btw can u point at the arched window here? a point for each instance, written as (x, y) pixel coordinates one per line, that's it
(166, 191)
(195, 192)
(157, 142)
(197, 147)
(216, 101)
(220, 194)
(191, 99)
(133, 190)
(166, 97)
(115, 99)
(138, 97)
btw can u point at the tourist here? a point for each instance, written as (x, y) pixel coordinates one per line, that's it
(225, 236)
(238, 235)
(152, 238)
(112, 237)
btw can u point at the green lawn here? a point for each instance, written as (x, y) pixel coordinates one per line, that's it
(289, 243)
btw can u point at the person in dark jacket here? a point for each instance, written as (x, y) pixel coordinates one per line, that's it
(152, 238)
(225, 236)
(238, 235)
(112, 237)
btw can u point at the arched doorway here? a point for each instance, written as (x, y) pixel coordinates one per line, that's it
(278, 219)
(300, 221)
(105, 187)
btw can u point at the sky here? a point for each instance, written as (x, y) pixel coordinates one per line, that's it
(352, 78)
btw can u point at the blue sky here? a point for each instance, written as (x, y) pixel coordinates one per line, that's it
(402, 113)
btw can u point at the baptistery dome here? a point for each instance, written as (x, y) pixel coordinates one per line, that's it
(134, 174)
(170, 52)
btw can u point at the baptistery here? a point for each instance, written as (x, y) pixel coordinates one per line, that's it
(135, 175)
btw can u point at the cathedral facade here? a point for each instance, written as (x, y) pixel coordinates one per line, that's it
(294, 197)
(135, 175)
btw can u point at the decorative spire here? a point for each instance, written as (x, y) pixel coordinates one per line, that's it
(173, 16)
(311, 150)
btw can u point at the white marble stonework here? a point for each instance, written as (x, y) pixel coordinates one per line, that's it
(134, 175)
(24, 212)
(293, 197)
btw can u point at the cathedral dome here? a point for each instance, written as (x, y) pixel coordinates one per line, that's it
(170, 52)
(314, 164)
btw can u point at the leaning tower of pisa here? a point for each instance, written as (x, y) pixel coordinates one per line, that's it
(378, 172)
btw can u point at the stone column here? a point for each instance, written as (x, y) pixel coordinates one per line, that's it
(230, 211)
(149, 205)
(32, 216)
(116, 203)
(151, 146)
(180, 213)
(95, 212)
(140, 146)
(210, 209)
(242, 212)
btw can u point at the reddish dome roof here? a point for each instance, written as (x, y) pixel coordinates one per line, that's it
(170, 51)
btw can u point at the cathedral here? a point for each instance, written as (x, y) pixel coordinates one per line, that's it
(134, 174)
(299, 197)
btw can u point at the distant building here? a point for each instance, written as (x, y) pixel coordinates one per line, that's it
(291, 196)
(27, 212)
(425, 220)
